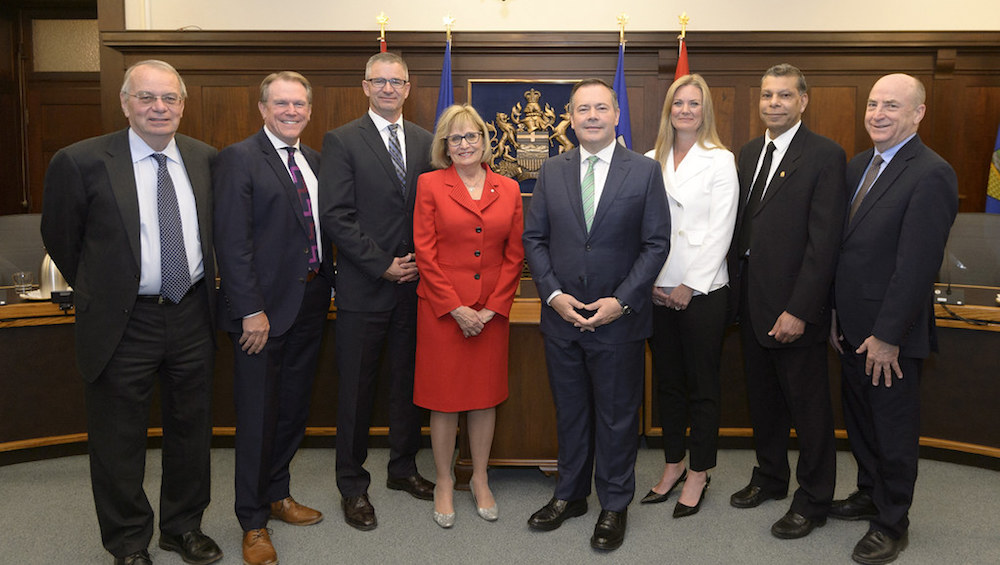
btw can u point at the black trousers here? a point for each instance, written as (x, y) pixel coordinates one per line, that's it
(687, 353)
(272, 390)
(361, 338)
(883, 426)
(169, 344)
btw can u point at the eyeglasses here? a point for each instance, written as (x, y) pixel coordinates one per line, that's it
(472, 137)
(147, 99)
(396, 83)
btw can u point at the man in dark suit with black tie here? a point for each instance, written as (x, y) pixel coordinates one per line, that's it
(276, 276)
(596, 235)
(787, 231)
(904, 198)
(127, 219)
(367, 183)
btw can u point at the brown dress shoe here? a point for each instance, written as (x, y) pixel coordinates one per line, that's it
(257, 548)
(291, 512)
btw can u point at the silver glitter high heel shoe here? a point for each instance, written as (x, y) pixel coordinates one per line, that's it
(444, 520)
(491, 514)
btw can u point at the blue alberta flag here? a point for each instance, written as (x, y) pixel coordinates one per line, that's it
(446, 93)
(993, 184)
(624, 129)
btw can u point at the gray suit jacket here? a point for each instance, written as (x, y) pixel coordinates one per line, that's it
(90, 226)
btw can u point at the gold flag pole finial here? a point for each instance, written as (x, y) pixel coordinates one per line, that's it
(448, 23)
(684, 20)
(383, 21)
(622, 20)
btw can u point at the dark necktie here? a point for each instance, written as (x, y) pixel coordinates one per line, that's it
(304, 200)
(396, 152)
(756, 195)
(175, 279)
(865, 186)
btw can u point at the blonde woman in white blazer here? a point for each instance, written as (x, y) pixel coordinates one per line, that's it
(691, 293)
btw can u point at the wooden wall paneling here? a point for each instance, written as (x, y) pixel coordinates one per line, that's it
(11, 149)
(724, 104)
(228, 114)
(60, 113)
(833, 112)
(343, 104)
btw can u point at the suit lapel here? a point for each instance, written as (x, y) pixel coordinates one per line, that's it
(373, 139)
(571, 180)
(883, 183)
(696, 161)
(789, 163)
(122, 176)
(460, 193)
(621, 163)
(277, 165)
(201, 185)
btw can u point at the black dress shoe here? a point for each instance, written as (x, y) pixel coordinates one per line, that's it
(359, 512)
(609, 533)
(195, 547)
(751, 496)
(682, 510)
(794, 525)
(654, 497)
(417, 486)
(877, 548)
(858, 506)
(140, 557)
(555, 512)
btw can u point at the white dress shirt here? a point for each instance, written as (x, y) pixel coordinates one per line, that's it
(382, 125)
(145, 168)
(312, 185)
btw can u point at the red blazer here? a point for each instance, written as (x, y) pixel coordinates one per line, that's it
(468, 253)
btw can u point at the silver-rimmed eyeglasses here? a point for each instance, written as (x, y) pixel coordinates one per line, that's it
(396, 83)
(472, 137)
(148, 98)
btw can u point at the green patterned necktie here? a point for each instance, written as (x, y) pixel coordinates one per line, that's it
(587, 192)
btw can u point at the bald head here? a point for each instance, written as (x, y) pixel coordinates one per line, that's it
(895, 108)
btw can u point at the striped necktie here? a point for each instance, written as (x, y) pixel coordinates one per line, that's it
(300, 187)
(865, 186)
(587, 192)
(396, 152)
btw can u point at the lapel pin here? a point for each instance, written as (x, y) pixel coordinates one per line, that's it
(782, 175)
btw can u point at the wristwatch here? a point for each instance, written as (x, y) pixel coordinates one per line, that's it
(626, 309)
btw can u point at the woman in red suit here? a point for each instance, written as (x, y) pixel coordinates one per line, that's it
(467, 224)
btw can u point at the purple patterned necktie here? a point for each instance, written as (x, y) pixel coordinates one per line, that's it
(300, 185)
(175, 278)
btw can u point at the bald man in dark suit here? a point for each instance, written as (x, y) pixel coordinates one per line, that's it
(127, 219)
(904, 200)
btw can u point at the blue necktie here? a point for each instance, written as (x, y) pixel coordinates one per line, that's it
(175, 278)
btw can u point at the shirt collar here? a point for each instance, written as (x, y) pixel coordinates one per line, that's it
(141, 150)
(277, 143)
(782, 142)
(382, 123)
(604, 154)
(889, 153)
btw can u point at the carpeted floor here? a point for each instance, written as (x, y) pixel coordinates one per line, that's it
(47, 517)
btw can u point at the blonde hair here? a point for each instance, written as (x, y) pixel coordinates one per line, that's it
(457, 114)
(707, 133)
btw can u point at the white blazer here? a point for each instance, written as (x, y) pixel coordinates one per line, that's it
(703, 194)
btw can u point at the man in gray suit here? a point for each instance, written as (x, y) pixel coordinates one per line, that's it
(595, 237)
(367, 183)
(127, 218)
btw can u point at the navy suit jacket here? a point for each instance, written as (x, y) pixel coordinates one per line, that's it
(364, 210)
(620, 257)
(90, 226)
(893, 247)
(261, 236)
(796, 230)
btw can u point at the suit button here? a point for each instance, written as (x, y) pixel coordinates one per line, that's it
(476, 277)
(306, 251)
(588, 247)
(479, 229)
(478, 253)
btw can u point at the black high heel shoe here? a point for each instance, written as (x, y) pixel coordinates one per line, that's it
(655, 498)
(682, 510)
